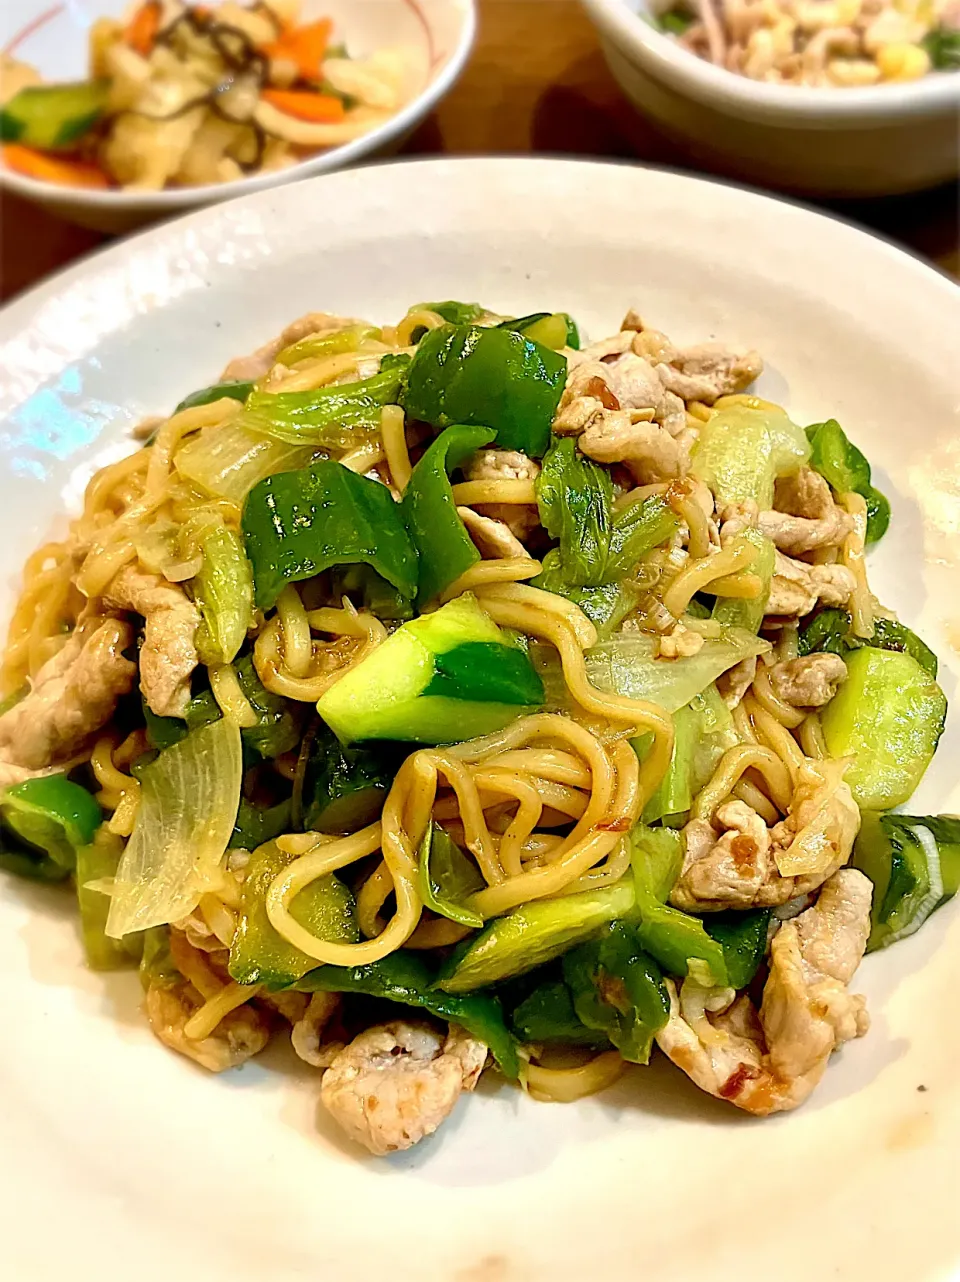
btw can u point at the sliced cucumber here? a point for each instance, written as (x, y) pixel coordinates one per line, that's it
(53, 117)
(888, 716)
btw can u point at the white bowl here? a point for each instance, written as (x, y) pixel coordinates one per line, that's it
(121, 1161)
(839, 142)
(437, 35)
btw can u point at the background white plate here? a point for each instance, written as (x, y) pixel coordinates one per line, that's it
(118, 1160)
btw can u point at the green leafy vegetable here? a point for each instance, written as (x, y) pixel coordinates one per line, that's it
(448, 878)
(223, 589)
(445, 548)
(337, 417)
(189, 801)
(575, 498)
(314, 346)
(606, 606)
(300, 523)
(830, 631)
(943, 46)
(626, 665)
(487, 377)
(258, 954)
(618, 990)
(235, 389)
(404, 977)
(674, 794)
(846, 470)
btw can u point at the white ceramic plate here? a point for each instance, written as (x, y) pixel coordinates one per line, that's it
(120, 1161)
(435, 35)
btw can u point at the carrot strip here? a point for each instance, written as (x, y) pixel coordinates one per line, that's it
(65, 173)
(320, 108)
(141, 32)
(306, 46)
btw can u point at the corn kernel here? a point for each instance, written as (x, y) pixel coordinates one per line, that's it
(848, 11)
(902, 62)
(849, 72)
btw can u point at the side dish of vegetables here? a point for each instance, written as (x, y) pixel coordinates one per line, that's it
(839, 43)
(183, 95)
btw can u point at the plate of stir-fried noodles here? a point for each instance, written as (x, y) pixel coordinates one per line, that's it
(481, 680)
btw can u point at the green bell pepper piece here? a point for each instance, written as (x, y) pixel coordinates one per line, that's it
(448, 878)
(618, 990)
(547, 1015)
(298, 524)
(258, 954)
(236, 389)
(164, 732)
(533, 934)
(156, 964)
(344, 788)
(52, 815)
(743, 938)
(278, 720)
(553, 329)
(404, 977)
(445, 548)
(453, 313)
(489, 377)
(672, 937)
(256, 825)
(101, 858)
(846, 469)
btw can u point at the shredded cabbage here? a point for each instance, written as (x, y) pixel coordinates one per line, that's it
(626, 665)
(189, 802)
